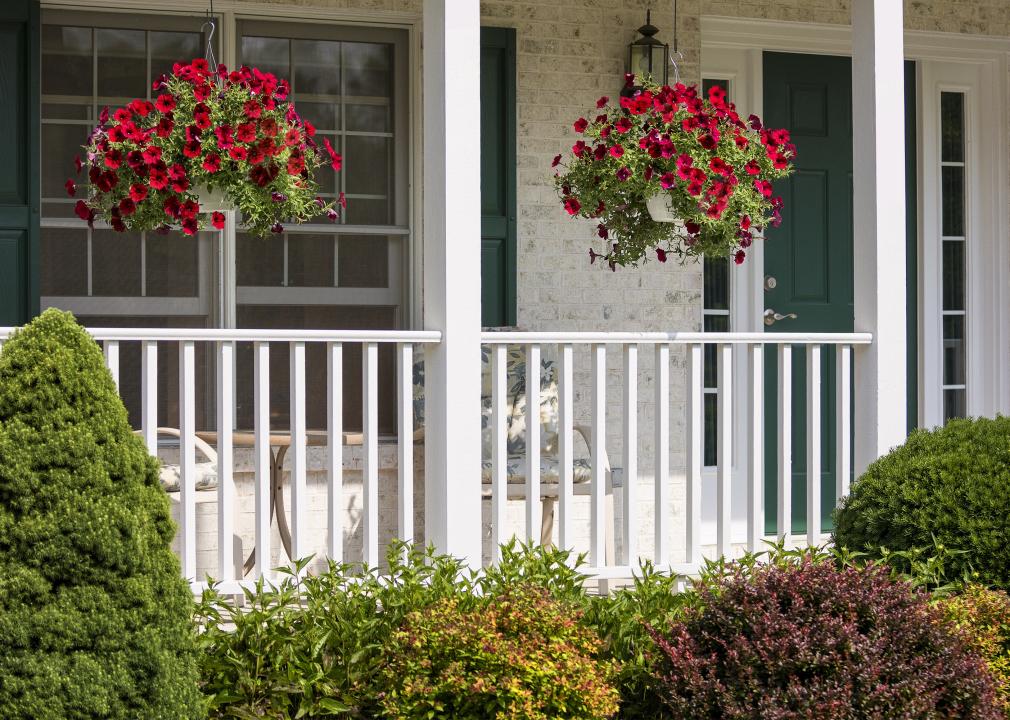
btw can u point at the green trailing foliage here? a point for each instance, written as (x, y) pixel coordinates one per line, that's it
(947, 487)
(94, 616)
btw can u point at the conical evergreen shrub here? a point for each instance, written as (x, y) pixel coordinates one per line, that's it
(94, 616)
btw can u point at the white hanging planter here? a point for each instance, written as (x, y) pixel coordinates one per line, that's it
(212, 200)
(660, 207)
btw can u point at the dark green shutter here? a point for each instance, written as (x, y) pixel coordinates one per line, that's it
(19, 161)
(498, 176)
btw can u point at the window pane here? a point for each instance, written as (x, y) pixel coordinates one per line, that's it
(368, 69)
(368, 212)
(363, 261)
(952, 179)
(115, 266)
(66, 61)
(954, 404)
(953, 275)
(268, 54)
(370, 118)
(259, 261)
(952, 127)
(324, 115)
(172, 265)
(716, 291)
(310, 260)
(953, 350)
(711, 434)
(64, 261)
(711, 365)
(367, 165)
(61, 143)
(317, 67)
(122, 65)
(168, 48)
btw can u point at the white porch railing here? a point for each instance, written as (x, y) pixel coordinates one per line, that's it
(683, 351)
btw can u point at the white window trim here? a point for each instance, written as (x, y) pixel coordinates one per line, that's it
(231, 11)
(732, 47)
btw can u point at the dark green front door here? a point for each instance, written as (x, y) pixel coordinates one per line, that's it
(810, 255)
(19, 166)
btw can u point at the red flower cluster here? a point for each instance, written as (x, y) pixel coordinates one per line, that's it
(205, 128)
(717, 166)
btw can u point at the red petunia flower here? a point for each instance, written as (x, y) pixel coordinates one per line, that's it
(238, 153)
(259, 175)
(256, 156)
(342, 201)
(158, 179)
(623, 174)
(164, 127)
(181, 185)
(745, 222)
(192, 149)
(556, 161)
(201, 92)
(223, 133)
(152, 154)
(212, 163)
(217, 220)
(310, 129)
(572, 205)
(616, 151)
(738, 258)
(602, 102)
(752, 168)
(668, 180)
(78, 164)
(176, 172)
(246, 132)
(138, 192)
(269, 127)
(335, 160)
(127, 206)
(112, 159)
(165, 103)
(252, 109)
(82, 210)
(172, 206)
(190, 226)
(292, 137)
(661, 255)
(71, 187)
(580, 125)
(623, 125)
(121, 115)
(764, 187)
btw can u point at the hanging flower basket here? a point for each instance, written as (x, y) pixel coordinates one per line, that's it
(667, 171)
(210, 141)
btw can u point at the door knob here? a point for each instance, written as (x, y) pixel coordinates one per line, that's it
(772, 317)
(770, 282)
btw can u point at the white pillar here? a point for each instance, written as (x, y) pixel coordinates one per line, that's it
(878, 131)
(451, 88)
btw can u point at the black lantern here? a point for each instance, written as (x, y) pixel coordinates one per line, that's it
(649, 56)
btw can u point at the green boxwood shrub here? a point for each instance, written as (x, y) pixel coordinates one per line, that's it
(518, 656)
(94, 616)
(947, 487)
(808, 639)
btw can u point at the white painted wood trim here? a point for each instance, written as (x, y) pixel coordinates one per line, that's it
(225, 460)
(724, 473)
(499, 449)
(597, 510)
(785, 442)
(334, 449)
(370, 459)
(262, 455)
(630, 449)
(695, 451)
(566, 446)
(813, 444)
(755, 446)
(661, 505)
(298, 450)
(534, 510)
(405, 442)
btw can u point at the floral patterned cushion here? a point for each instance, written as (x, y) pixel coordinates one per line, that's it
(515, 470)
(515, 422)
(206, 477)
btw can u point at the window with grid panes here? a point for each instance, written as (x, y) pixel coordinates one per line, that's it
(954, 233)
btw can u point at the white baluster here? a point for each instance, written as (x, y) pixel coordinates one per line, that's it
(755, 447)
(724, 479)
(630, 447)
(813, 444)
(187, 458)
(534, 510)
(297, 450)
(112, 360)
(597, 509)
(499, 449)
(149, 394)
(262, 454)
(695, 451)
(662, 448)
(843, 428)
(785, 479)
(370, 470)
(566, 456)
(335, 449)
(225, 461)
(405, 444)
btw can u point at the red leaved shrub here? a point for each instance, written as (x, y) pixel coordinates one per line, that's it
(809, 640)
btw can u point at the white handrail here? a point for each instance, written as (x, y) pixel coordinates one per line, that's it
(242, 335)
(685, 338)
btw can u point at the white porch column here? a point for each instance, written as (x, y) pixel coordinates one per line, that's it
(878, 131)
(450, 92)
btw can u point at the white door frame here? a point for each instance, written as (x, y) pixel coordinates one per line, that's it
(732, 48)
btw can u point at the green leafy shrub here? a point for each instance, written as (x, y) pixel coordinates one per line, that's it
(312, 646)
(804, 638)
(94, 616)
(518, 656)
(983, 616)
(949, 486)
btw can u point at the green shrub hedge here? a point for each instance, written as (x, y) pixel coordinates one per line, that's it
(949, 486)
(94, 616)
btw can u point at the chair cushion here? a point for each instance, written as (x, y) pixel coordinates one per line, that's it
(515, 469)
(206, 477)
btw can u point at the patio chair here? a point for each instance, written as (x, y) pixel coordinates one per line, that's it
(206, 472)
(515, 428)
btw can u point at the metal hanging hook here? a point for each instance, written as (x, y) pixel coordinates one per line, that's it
(209, 51)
